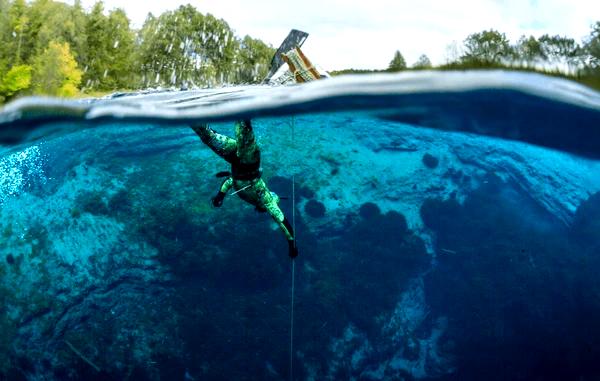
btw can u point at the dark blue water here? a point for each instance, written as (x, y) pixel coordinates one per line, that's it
(430, 249)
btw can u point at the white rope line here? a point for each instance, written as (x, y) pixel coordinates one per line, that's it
(239, 190)
(292, 323)
(293, 263)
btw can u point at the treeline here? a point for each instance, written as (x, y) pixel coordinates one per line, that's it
(556, 55)
(52, 48)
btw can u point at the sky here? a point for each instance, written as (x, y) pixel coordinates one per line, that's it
(365, 34)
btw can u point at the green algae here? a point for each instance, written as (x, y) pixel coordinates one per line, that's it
(92, 202)
(37, 237)
(7, 334)
(7, 232)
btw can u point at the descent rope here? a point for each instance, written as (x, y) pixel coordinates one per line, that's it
(293, 264)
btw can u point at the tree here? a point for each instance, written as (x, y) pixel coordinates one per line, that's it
(78, 39)
(177, 48)
(561, 50)
(119, 73)
(397, 63)
(186, 47)
(170, 51)
(422, 63)
(252, 60)
(454, 52)
(6, 36)
(17, 79)
(57, 21)
(56, 72)
(487, 47)
(220, 48)
(96, 61)
(529, 50)
(592, 47)
(19, 25)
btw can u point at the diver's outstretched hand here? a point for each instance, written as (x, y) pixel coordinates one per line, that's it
(201, 129)
(217, 201)
(292, 249)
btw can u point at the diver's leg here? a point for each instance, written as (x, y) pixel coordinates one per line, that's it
(247, 149)
(286, 228)
(292, 248)
(222, 145)
(269, 200)
(217, 201)
(283, 222)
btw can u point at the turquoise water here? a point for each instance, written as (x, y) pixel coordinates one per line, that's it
(447, 230)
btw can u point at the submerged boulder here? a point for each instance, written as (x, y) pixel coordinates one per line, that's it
(586, 224)
(430, 161)
(315, 209)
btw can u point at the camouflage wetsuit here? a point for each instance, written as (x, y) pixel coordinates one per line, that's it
(244, 156)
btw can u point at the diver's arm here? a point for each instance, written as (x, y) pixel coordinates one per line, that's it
(222, 145)
(217, 201)
(247, 149)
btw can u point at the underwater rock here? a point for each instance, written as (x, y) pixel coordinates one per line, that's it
(507, 261)
(586, 224)
(389, 256)
(369, 210)
(430, 161)
(314, 209)
(91, 202)
(441, 215)
(283, 187)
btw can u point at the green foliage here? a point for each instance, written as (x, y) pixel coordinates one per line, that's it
(18, 27)
(78, 38)
(592, 47)
(17, 79)
(253, 58)
(422, 63)
(489, 46)
(185, 47)
(6, 36)
(561, 50)
(96, 30)
(120, 49)
(48, 21)
(353, 71)
(397, 63)
(529, 50)
(109, 54)
(56, 72)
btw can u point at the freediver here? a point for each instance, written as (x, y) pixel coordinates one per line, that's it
(243, 154)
